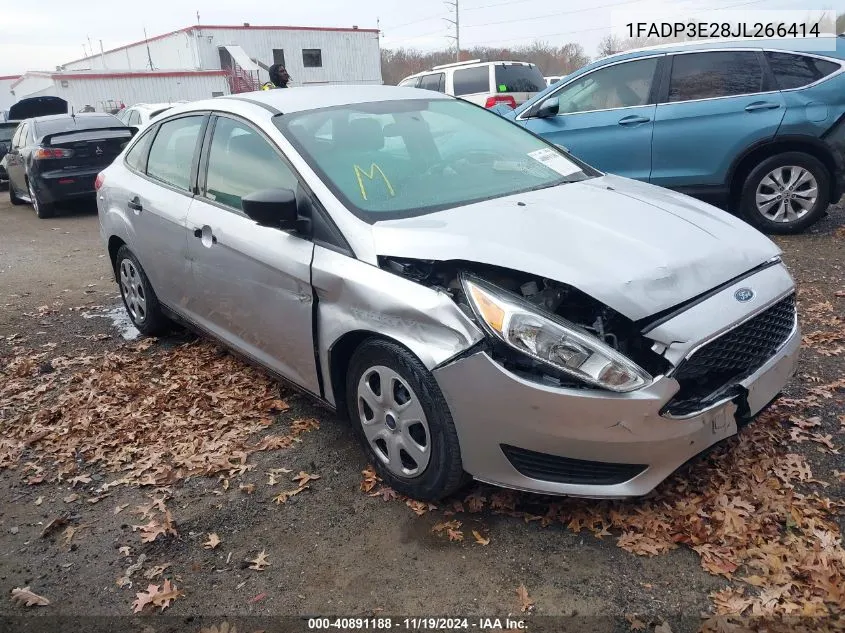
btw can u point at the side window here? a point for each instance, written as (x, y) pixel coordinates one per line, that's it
(240, 162)
(471, 80)
(172, 151)
(795, 71)
(717, 74)
(433, 82)
(619, 86)
(136, 157)
(412, 82)
(312, 57)
(279, 56)
(134, 118)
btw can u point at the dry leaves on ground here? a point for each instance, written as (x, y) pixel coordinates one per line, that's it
(28, 598)
(149, 414)
(159, 596)
(526, 602)
(212, 542)
(260, 562)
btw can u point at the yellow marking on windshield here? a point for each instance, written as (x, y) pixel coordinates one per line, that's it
(372, 175)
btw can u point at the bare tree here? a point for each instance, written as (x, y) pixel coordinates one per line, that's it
(609, 45)
(840, 23)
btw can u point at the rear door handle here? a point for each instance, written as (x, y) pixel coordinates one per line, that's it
(761, 105)
(198, 232)
(633, 119)
(135, 204)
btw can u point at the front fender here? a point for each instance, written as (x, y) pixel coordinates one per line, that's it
(354, 296)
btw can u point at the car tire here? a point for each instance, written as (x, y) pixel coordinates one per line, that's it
(138, 296)
(399, 414)
(13, 197)
(42, 210)
(793, 190)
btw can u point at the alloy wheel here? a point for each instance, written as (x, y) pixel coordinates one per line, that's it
(33, 199)
(132, 289)
(394, 422)
(786, 194)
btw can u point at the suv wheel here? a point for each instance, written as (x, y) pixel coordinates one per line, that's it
(401, 417)
(138, 296)
(42, 210)
(786, 193)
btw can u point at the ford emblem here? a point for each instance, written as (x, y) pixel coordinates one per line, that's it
(744, 295)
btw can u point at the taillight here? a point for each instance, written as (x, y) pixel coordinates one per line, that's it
(44, 153)
(99, 180)
(503, 99)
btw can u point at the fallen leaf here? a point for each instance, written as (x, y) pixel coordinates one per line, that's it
(28, 598)
(663, 628)
(282, 497)
(247, 488)
(70, 498)
(635, 623)
(124, 551)
(212, 542)
(39, 501)
(260, 562)
(154, 572)
(303, 478)
(480, 539)
(120, 508)
(526, 603)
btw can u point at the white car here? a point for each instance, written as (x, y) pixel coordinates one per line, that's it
(553, 79)
(486, 83)
(140, 114)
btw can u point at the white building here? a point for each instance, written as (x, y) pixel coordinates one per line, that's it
(6, 96)
(203, 61)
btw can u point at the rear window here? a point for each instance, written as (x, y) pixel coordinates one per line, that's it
(471, 80)
(519, 78)
(795, 71)
(70, 124)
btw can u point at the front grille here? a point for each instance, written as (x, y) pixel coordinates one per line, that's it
(566, 470)
(731, 357)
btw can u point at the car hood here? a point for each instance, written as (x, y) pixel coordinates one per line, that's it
(37, 106)
(635, 247)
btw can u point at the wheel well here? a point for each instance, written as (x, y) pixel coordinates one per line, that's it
(754, 157)
(114, 245)
(339, 356)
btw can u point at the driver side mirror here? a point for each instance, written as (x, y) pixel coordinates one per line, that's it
(549, 108)
(274, 208)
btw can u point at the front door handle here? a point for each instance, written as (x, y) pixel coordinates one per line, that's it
(761, 105)
(633, 119)
(135, 204)
(208, 238)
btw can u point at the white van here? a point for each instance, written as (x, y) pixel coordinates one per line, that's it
(485, 83)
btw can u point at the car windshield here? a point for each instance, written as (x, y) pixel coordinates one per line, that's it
(395, 159)
(519, 78)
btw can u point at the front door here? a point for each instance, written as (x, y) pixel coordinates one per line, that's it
(251, 283)
(606, 118)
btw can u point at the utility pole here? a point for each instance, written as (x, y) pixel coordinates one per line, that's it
(457, 23)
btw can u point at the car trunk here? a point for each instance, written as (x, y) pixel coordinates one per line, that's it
(91, 148)
(520, 81)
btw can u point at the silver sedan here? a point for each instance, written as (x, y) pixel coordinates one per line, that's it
(475, 300)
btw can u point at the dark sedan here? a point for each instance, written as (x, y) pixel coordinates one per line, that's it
(7, 129)
(56, 158)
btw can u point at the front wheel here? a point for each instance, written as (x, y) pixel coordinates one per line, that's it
(786, 193)
(138, 296)
(401, 417)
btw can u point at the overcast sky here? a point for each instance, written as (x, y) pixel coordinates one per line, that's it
(43, 34)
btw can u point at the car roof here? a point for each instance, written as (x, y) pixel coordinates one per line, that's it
(287, 100)
(463, 65)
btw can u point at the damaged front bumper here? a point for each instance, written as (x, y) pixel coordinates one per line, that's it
(521, 434)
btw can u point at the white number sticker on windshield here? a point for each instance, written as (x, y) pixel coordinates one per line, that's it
(555, 161)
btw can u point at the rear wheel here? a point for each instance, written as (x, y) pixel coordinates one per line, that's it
(786, 193)
(401, 417)
(138, 296)
(42, 210)
(13, 197)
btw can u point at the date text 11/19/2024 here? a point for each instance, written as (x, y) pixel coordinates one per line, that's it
(711, 30)
(417, 624)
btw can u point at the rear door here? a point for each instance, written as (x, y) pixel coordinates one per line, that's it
(15, 162)
(717, 104)
(251, 284)
(156, 198)
(520, 81)
(606, 116)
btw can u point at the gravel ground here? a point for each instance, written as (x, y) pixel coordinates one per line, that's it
(332, 549)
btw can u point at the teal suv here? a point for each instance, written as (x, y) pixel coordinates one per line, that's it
(749, 125)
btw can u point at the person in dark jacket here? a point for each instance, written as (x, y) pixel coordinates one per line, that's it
(279, 76)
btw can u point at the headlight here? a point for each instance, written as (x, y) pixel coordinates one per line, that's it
(552, 340)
